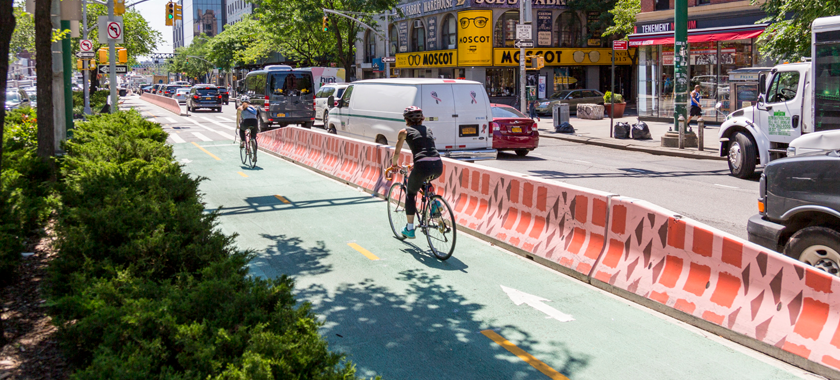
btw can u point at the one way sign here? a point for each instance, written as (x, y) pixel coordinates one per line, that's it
(118, 69)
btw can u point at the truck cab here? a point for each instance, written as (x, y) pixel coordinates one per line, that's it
(794, 100)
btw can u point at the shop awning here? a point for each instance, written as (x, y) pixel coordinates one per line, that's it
(699, 35)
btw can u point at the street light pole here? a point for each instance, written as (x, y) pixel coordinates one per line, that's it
(522, 105)
(680, 63)
(112, 57)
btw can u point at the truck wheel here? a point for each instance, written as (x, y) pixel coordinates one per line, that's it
(741, 156)
(325, 117)
(818, 247)
(261, 125)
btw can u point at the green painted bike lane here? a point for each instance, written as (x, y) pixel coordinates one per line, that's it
(398, 312)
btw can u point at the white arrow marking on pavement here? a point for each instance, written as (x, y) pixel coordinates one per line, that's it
(208, 128)
(519, 297)
(218, 123)
(177, 139)
(201, 137)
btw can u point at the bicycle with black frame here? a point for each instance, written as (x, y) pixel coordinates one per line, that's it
(435, 217)
(247, 131)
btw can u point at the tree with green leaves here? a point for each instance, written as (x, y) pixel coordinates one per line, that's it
(594, 26)
(244, 42)
(623, 18)
(186, 61)
(788, 38)
(308, 14)
(23, 38)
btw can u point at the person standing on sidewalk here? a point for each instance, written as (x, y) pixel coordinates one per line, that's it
(695, 105)
(532, 110)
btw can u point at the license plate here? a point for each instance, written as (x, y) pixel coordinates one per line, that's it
(516, 130)
(281, 115)
(467, 130)
(208, 98)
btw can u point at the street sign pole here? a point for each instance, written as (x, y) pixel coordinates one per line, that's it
(112, 58)
(86, 85)
(680, 63)
(387, 47)
(612, 90)
(523, 106)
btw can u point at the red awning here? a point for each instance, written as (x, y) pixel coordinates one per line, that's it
(697, 36)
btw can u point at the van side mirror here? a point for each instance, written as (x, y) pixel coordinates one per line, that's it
(762, 85)
(331, 102)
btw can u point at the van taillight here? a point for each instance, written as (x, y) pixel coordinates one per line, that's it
(534, 127)
(314, 103)
(267, 104)
(495, 126)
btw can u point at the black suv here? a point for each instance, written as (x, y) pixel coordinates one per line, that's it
(204, 96)
(799, 210)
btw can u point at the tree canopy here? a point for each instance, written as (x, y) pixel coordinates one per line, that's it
(788, 38)
(623, 18)
(192, 60)
(244, 42)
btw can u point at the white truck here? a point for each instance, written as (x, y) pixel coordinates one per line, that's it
(795, 99)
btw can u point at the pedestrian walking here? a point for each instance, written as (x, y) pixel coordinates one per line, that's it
(695, 105)
(532, 110)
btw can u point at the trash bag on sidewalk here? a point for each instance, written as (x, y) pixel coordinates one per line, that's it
(641, 131)
(566, 127)
(621, 130)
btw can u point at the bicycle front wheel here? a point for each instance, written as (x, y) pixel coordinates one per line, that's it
(253, 158)
(440, 230)
(243, 154)
(396, 208)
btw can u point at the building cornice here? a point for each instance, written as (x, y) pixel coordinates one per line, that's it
(702, 11)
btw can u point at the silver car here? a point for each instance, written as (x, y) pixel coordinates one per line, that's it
(181, 95)
(572, 98)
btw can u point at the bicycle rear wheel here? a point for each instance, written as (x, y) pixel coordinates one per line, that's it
(396, 208)
(253, 158)
(440, 230)
(243, 153)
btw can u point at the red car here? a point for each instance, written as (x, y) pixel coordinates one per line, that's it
(513, 131)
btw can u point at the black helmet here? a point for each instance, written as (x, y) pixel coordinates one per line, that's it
(413, 114)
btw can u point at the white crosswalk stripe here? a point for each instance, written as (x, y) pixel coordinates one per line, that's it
(226, 119)
(169, 119)
(208, 128)
(218, 123)
(201, 137)
(177, 139)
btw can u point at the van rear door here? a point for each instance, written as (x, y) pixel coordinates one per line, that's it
(291, 95)
(472, 108)
(439, 109)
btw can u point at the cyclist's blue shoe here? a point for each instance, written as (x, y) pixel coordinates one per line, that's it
(409, 234)
(436, 209)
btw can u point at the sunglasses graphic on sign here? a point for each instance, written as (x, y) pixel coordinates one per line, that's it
(413, 60)
(479, 21)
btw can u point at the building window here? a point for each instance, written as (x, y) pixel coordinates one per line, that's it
(703, 2)
(370, 47)
(449, 34)
(568, 30)
(662, 5)
(504, 35)
(418, 36)
(394, 38)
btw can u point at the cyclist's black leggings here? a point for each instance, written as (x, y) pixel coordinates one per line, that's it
(250, 124)
(425, 169)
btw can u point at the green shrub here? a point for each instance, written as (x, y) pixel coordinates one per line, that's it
(145, 286)
(618, 98)
(98, 99)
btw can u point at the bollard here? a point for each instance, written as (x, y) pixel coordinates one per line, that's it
(700, 127)
(682, 132)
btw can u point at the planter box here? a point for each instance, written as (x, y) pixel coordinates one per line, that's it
(617, 112)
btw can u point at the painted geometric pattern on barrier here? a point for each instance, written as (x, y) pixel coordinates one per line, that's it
(722, 279)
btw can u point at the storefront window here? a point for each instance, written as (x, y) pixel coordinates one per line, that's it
(504, 35)
(568, 30)
(449, 34)
(370, 47)
(648, 100)
(569, 78)
(735, 55)
(501, 82)
(418, 36)
(394, 37)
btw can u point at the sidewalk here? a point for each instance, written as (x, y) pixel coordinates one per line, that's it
(597, 132)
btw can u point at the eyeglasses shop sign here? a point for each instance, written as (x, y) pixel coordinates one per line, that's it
(437, 58)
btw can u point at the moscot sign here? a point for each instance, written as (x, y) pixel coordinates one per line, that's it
(564, 56)
(436, 58)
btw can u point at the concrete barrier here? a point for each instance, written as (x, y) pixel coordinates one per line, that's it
(708, 275)
(632, 248)
(169, 104)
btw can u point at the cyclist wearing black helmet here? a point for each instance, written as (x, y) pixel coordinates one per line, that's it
(427, 163)
(248, 119)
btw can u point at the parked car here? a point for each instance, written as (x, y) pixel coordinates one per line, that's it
(147, 89)
(204, 96)
(225, 95)
(322, 109)
(169, 90)
(457, 111)
(513, 131)
(572, 98)
(799, 210)
(181, 95)
(282, 96)
(16, 98)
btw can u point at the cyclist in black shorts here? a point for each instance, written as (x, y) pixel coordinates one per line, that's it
(248, 119)
(427, 163)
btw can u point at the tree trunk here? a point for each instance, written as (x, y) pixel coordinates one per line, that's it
(7, 28)
(44, 72)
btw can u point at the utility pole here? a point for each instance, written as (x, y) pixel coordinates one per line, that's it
(387, 46)
(86, 86)
(112, 57)
(522, 81)
(680, 61)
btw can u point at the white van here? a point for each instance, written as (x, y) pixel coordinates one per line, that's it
(457, 111)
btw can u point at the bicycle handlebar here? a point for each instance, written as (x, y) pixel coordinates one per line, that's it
(403, 170)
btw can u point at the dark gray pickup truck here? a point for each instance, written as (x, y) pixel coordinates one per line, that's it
(799, 210)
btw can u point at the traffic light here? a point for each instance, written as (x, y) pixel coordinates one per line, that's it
(103, 55)
(179, 14)
(122, 55)
(534, 62)
(170, 13)
(80, 64)
(326, 23)
(119, 7)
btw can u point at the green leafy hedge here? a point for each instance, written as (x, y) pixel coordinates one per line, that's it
(25, 201)
(146, 287)
(98, 99)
